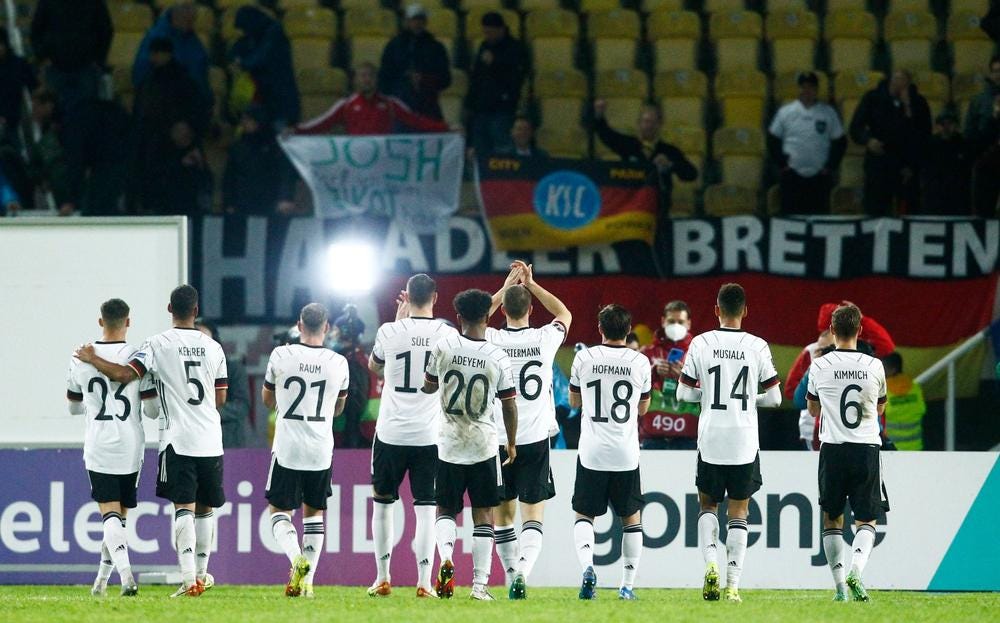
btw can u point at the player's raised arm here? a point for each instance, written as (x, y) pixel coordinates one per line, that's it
(516, 274)
(116, 372)
(549, 301)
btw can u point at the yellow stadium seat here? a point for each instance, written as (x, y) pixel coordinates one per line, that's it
(560, 111)
(311, 52)
(613, 53)
(736, 35)
(553, 35)
(847, 200)
(908, 5)
(682, 94)
(311, 22)
(970, 46)
(613, 36)
(742, 96)
(621, 83)
(774, 6)
(218, 82)
(297, 4)
(690, 140)
(965, 86)
(480, 5)
(594, 6)
(932, 85)
(560, 83)
(130, 17)
(979, 7)
(121, 80)
(224, 5)
(552, 53)
(674, 36)
(852, 171)
(563, 142)
(328, 81)
(845, 5)
(474, 23)
(623, 112)
(451, 108)
(910, 35)
(851, 36)
(367, 49)
(536, 5)
(741, 154)
(552, 23)
(729, 200)
(443, 23)
(786, 86)
(723, 6)
(370, 21)
(652, 6)
(850, 87)
(123, 48)
(792, 36)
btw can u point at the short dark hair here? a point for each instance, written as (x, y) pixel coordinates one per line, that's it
(631, 337)
(893, 360)
(676, 306)
(846, 321)
(732, 300)
(420, 288)
(313, 317)
(473, 305)
(114, 312)
(516, 301)
(615, 321)
(184, 301)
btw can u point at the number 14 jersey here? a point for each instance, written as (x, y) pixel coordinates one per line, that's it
(849, 386)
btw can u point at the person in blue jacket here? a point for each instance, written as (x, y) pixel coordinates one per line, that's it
(176, 23)
(265, 52)
(10, 203)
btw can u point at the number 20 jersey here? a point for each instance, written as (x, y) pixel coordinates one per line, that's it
(187, 366)
(849, 386)
(307, 381)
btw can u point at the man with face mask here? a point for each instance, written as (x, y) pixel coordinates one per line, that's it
(669, 424)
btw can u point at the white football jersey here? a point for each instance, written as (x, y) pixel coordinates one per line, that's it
(406, 415)
(114, 441)
(611, 381)
(849, 386)
(470, 374)
(187, 367)
(729, 364)
(531, 353)
(307, 381)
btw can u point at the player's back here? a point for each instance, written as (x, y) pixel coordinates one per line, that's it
(729, 364)
(307, 382)
(611, 381)
(188, 366)
(408, 416)
(531, 352)
(114, 440)
(849, 386)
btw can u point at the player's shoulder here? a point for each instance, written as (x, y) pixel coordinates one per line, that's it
(758, 343)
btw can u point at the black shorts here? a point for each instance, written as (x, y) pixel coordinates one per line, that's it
(529, 477)
(390, 463)
(852, 471)
(190, 479)
(287, 489)
(114, 488)
(483, 482)
(595, 489)
(739, 481)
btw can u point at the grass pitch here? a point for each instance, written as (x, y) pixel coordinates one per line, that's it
(336, 603)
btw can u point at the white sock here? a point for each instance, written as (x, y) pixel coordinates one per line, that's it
(864, 541)
(446, 532)
(631, 551)
(482, 554)
(531, 545)
(184, 538)
(833, 547)
(736, 547)
(382, 533)
(204, 533)
(708, 537)
(105, 567)
(423, 543)
(114, 538)
(583, 537)
(507, 547)
(313, 532)
(284, 533)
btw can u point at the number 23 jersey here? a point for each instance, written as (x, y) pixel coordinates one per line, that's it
(849, 386)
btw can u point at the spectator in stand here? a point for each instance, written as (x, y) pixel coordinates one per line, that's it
(632, 341)
(414, 66)
(893, 122)
(647, 147)
(176, 23)
(980, 119)
(97, 158)
(265, 52)
(522, 135)
(669, 424)
(16, 75)
(347, 331)
(369, 112)
(47, 164)
(258, 179)
(71, 39)
(495, 83)
(946, 176)
(905, 408)
(235, 413)
(799, 374)
(807, 141)
(10, 202)
(986, 170)
(178, 180)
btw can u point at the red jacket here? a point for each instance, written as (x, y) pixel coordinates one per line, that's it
(659, 349)
(361, 115)
(871, 331)
(667, 417)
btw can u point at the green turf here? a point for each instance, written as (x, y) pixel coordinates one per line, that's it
(255, 603)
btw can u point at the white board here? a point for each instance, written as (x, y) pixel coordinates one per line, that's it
(54, 275)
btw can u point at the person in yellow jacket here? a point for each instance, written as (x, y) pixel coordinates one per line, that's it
(904, 411)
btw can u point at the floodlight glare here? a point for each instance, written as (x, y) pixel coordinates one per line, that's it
(352, 267)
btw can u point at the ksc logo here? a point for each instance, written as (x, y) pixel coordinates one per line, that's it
(567, 200)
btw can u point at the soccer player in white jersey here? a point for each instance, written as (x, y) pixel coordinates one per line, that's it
(469, 372)
(114, 441)
(722, 371)
(407, 429)
(306, 384)
(189, 369)
(847, 392)
(611, 382)
(529, 479)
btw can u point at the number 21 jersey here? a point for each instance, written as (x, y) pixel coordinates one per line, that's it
(849, 386)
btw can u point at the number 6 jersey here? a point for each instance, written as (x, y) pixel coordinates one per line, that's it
(849, 386)
(307, 381)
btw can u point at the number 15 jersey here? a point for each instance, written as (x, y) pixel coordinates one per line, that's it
(849, 386)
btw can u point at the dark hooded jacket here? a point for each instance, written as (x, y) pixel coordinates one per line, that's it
(188, 51)
(71, 33)
(423, 54)
(879, 115)
(266, 53)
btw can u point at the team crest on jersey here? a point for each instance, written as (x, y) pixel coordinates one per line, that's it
(820, 126)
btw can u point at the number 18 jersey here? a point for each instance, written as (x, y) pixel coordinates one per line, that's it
(849, 386)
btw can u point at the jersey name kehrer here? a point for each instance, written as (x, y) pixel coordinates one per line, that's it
(190, 351)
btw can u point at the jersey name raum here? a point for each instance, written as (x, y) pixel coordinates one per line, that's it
(311, 368)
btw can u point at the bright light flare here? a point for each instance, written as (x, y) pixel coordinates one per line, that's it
(352, 267)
